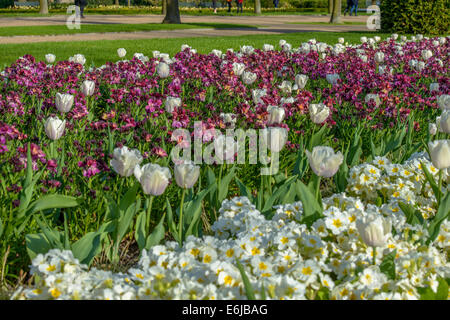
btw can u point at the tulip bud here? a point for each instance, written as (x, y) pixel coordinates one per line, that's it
(301, 80)
(445, 121)
(50, 58)
(124, 161)
(64, 102)
(163, 70)
(186, 174)
(440, 153)
(121, 52)
(374, 230)
(172, 103)
(324, 161)
(153, 178)
(88, 88)
(318, 113)
(276, 115)
(54, 128)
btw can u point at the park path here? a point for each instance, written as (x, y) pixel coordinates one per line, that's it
(278, 24)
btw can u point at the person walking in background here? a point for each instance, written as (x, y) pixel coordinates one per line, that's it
(229, 5)
(81, 4)
(275, 3)
(349, 7)
(214, 6)
(354, 7)
(239, 5)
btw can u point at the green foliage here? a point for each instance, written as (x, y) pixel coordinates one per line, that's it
(415, 16)
(387, 266)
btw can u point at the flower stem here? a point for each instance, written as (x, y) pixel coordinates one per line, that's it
(440, 189)
(149, 211)
(180, 228)
(374, 255)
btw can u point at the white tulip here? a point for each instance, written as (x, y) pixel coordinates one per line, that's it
(374, 230)
(121, 52)
(141, 57)
(124, 161)
(54, 128)
(249, 77)
(163, 70)
(78, 58)
(434, 87)
(186, 174)
(153, 178)
(419, 37)
(435, 43)
(257, 94)
(276, 115)
(50, 58)
(377, 38)
(432, 128)
(332, 78)
(440, 153)
(268, 47)
(286, 87)
(403, 38)
(420, 66)
(225, 147)
(445, 121)
(394, 36)
(172, 103)
(286, 100)
(427, 54)
(324, 161)
(88, 88)
(274, 138)
(444, 101)
(217, 53)
(229, 119)
(379, 57)
(64, 102)
(301, 80)
(363, 39)
(238, 68)
(287, 47)
(341, 40)
(442, 40)
(282, 42)
(373, 97)
(318, 113)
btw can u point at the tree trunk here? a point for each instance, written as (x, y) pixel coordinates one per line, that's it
(257, 6)
(164, 7)
(43, 7)
(330, 6)
(173, 12)
(129, 4)
(336, 13)
(117, 2)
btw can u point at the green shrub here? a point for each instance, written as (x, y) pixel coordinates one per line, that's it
(415, 16)
(6, 3)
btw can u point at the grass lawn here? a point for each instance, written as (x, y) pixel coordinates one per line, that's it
(327, 23)
(157, 10)
(100, 28)
(98, 52)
